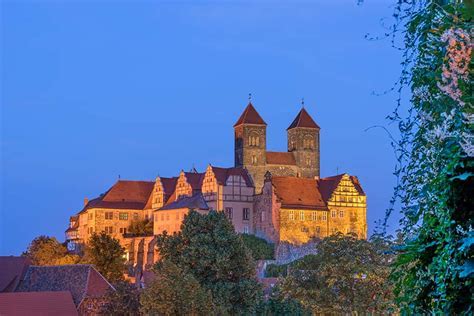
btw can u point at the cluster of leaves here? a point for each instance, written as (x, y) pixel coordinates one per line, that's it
(260, 248)
(276, 270)
(434, 271)
(44, 250)
(346, 275)
(141, 227)
(107, 255)
(211, 257)
(124, 300)
(279, 304)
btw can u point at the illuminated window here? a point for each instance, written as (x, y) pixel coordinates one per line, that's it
(254, 159)
(123, 216)
(314, 216)
(324, 217)
(135, 216)
(341, 213)
(246, 229)
(292, 215)
(333, 214)
(301, 215)
(109, 215)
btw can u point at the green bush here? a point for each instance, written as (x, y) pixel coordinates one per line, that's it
(260, 248)
(275, 271)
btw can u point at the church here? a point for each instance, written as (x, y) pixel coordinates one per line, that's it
(278, 196)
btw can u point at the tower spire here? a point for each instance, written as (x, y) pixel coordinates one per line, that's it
(250, 98)
(302, 103)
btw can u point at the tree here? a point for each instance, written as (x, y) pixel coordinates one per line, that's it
(260, 248)
(346, 275)
(45, 250)
(434, 271)
(141, 227)
(279, 304)
(124, 300)
(106, 254)
(208, 248)
(174, 291)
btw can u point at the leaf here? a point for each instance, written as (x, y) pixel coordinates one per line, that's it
(467, 242)
(463, 176)
(467, 269)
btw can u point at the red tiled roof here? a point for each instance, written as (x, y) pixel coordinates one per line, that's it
(195, 180)
(12, 271)
(250, 116)
(124, 194)
(329, 184)
(303, 119)
(222, 174)
(280, 158)
(81, 280)
(298, 193)
(37, 303)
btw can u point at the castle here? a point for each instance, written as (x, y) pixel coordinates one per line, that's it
(278, 196)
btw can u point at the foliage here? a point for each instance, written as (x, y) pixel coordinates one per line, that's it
(45, 250)
(208, 248)
(275, 270)
(278, 304)
(125, 300)
(106, 254)
(175, 292)
(260, 248)
(346, 275)
(434, 271)
(141, 227)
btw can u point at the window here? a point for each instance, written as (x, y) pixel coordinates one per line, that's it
(254, 159)
(229, 212)
(314, 216)
(318, 230)
(123, 216)
(109, 215)
(308, 161)
(262, 216)
(167, 217)
(341, 213)
(135, 216)
(301, 215)
(90, 230)
(324, 217)
(333, 230)
(90, 216)
(246, 229)
(333, 214)
(123, 230)
(246, 214)
(292, 215)
(304, 229)
(109, 230)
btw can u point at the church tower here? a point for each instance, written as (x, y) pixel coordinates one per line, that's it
(303, 142)
(251, 143)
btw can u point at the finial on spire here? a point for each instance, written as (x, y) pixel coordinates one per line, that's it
(250, 97)
(302, 103)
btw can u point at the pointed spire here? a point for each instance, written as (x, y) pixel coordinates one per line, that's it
(250, 115)
(303, 119)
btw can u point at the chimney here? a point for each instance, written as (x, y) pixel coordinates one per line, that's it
(86, 200)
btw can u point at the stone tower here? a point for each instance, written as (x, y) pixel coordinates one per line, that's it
(251, 143)
(303, 142)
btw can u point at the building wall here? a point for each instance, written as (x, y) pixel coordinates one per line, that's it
(304, 143)
(169, 220)
(267, 214)
(298, 226)
(94, 220)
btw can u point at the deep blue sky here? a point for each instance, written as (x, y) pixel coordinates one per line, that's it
(91, 90)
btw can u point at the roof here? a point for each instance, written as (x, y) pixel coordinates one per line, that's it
(37, 303)
(299, 193)
(81, 280)
(194, 179)
(222, 174)
(169, 184)
(12, 271)
(250, 116)
(303, 119)
(329, 184)
(280, 158)
(190, 202)
(124, 194)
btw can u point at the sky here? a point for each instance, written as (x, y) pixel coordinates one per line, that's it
(91, 90)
